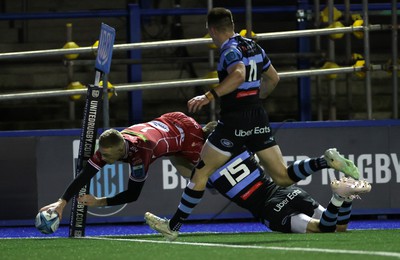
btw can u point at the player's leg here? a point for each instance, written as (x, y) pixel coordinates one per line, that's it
(290, 210)
(345, 188)
(344, 215)
(337, 161)
(328, 219)
(308, 211)
(263, 144)
(313, 225)
(212, 159)
(296, 223)
(272, 161)
(350, 189)
(182, 165)
(301, 169)
(270, 156)
(301, 223)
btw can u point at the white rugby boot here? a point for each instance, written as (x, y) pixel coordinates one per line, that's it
(161, 225)
(350, 188)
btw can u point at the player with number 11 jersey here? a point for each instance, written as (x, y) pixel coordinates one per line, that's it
(238, 49)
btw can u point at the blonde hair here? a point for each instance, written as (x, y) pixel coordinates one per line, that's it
(110, 138)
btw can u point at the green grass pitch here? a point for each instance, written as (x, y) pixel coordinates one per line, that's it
(354, 244)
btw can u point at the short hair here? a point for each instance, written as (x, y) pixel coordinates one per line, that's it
(110, 138)
(220, 18)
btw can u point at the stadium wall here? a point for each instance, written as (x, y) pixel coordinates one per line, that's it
(38, 165)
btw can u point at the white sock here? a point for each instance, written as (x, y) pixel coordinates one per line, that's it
(337, 200)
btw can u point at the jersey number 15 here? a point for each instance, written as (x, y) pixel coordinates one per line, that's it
(235, 172)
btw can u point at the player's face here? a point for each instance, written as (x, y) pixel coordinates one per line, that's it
(211, 32)
(110, 155)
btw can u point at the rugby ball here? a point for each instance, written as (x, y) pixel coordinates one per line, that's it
(47, 221)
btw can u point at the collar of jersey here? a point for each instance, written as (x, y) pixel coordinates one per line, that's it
(225, 42)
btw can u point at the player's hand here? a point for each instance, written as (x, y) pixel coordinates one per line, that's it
(196, 103)
(90, 200)
(58, 206)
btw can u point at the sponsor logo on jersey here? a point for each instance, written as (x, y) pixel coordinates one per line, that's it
(137, 172)
(159, 125)
(182, 134)
(226, 143)
(256, 131)
(231, 56)
(289, 197)
(270, 140)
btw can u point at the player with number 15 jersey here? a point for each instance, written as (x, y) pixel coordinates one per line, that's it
(244, 182)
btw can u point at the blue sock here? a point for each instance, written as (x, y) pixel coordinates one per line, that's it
(301, 169)
(190, 198)
(344, 213)
(329, 217)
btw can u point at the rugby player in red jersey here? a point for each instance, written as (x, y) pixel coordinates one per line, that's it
(172, 134)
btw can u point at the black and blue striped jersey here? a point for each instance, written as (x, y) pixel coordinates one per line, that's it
(243, 181)
(239, 49)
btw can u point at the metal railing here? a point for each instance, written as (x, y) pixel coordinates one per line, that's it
(187, 42)
(176, 83)
(201, 41)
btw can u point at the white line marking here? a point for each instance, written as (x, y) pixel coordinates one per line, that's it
(320, 250)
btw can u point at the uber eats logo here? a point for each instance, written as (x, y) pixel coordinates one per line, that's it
(109, 181)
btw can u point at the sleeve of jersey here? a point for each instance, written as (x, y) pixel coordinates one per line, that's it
(127, 196)
(266, 61)
(230, 56)
(81, 180)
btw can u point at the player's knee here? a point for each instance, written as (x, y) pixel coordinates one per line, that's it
(313, 226)
(198, 166)
(300, 223)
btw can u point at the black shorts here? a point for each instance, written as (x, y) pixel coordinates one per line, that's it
(248, 128)
(285, 203)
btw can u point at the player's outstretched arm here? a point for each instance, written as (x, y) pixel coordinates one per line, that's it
(127, 196)
(58, 207)
(81, 180)
(72, 189)
(92, 201)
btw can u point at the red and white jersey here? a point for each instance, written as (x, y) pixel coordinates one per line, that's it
(171, 134)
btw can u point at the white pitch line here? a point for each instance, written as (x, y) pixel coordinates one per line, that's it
(320, 250)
